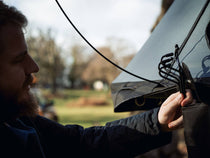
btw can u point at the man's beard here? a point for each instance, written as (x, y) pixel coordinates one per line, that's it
(23, 103)
(26, 101)
(28, 107)
(12, 109)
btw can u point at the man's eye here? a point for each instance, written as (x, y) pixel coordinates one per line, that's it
(19, 59)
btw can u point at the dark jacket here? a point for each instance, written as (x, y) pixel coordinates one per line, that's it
(197, 129)
(39, 137)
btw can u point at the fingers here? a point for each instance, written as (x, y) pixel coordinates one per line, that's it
(188, 99)
(175, 103)
(169, 108)
(176, 124)
(170, 98)
(169, 116)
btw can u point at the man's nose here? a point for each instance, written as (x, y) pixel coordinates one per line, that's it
(31, 66)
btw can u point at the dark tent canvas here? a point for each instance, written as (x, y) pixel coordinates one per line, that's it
(130, 93)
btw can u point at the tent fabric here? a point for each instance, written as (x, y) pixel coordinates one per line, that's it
(151, 96)
(172, 30)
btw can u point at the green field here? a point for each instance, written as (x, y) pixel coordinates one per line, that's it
(75, 107)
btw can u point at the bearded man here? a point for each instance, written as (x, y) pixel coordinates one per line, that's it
(25, 134)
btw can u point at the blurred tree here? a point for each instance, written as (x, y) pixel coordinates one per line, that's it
(85, 70)
(80, 61)
(100, 69)
(47, 54)
(123, 50)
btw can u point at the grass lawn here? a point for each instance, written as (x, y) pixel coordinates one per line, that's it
(74, 107)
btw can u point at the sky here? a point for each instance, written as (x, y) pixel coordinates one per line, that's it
(97, 20)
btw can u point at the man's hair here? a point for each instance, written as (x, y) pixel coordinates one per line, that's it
(10, 15)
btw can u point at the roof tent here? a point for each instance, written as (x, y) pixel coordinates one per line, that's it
(130, 93)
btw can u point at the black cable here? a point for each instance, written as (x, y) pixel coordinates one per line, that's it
(193, 48)
(142, 78)
(193, 27)
(179, 49)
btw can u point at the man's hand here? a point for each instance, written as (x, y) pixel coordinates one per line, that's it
(170, 116)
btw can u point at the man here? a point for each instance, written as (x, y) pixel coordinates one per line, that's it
(25, 134)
